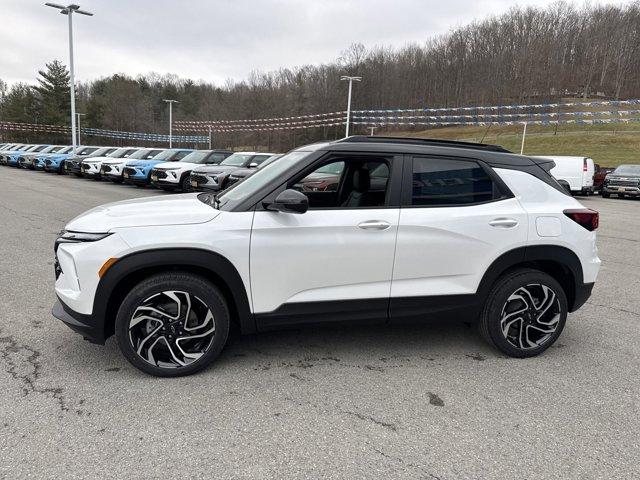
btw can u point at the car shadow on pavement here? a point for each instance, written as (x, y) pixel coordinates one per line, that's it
(363, 346)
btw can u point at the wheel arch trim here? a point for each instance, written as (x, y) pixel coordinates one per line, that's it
(213, 265)
(528, 255)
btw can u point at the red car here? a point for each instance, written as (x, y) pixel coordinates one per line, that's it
(599, 176)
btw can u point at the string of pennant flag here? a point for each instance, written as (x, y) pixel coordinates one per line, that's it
(481, 116)
(97, 132)
(538, 106)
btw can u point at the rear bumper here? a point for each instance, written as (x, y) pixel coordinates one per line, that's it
(583, 292)
(88, 326)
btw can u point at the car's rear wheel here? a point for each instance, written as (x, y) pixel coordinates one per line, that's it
(172, 324)
(605, 195)
(525, 313)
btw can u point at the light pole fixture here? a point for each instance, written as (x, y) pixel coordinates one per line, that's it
(170, 102)
(79, 128)
(350, 80)
(69, 10)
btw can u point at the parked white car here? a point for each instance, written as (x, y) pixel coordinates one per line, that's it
(574, 173)
(112, 168)
(90, 166)
(445, 229)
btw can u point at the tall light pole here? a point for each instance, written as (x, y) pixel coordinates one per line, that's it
(79, 128)
(69, 10)
(171, 102)
(351, 80)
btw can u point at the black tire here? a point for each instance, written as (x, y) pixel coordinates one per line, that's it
(139, 185)
(185, 182)
(116, 180)
(202, 294)
(167, 189)
(605, 195)
(505, 295)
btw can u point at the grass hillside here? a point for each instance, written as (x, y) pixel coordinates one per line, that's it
(608, 145)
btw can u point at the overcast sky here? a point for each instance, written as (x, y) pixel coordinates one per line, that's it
(215, 40)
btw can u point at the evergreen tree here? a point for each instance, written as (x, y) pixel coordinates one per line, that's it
(53, 92)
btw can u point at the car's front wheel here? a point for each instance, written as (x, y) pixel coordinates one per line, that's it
(172, 324)
(525, 313)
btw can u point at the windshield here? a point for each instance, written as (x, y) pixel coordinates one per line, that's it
(65, 150)
(196, 157)
(627, 170)
(237, 159)
(101, 152)
(144, 154)
(51, 149)
(119, 153)
(166, 155)
(242, 190)
(269, 161)
(86, 150)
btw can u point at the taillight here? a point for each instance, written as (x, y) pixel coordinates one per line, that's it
(584, 165)
(585, 217)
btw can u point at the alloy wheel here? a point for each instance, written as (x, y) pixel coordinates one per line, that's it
(530, 316)
(171, 329)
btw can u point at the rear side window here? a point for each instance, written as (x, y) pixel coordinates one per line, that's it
(441, 181)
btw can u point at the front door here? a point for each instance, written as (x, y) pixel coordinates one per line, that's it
(335, 261)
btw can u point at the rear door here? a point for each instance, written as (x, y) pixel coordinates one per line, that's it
(457, 217)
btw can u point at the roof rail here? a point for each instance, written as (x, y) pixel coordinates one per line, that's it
(424, 141)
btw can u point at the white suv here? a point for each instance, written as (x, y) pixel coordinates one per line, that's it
(365, 228)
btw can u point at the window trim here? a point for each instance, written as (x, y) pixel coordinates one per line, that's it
(396, 168)
(407, 182)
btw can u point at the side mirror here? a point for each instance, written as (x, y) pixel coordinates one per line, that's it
(290, 201)
(253, 165)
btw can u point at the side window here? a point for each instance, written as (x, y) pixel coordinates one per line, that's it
(439, 181)
(346, 183)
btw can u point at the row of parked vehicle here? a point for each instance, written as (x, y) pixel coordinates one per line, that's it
(581, 176)
(175, 169)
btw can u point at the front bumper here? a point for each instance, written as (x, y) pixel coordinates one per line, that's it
(88, 326)
(165, 178)
(72, 168)
(90, 170)
(205, 182)
(51, 166)
(625, 190)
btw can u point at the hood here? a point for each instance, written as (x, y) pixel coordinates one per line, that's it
(144, 212)
(175, 165)
(114, 161)
(97, 159)
(142, 163)
(216, 169)
(623, 176)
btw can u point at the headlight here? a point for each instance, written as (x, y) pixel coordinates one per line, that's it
(78, 237)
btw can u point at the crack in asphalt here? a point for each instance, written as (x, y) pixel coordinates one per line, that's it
(617, 309)
(390, 426)
(401, 461)
(10, 348)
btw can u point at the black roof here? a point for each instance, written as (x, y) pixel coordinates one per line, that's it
(424, 141)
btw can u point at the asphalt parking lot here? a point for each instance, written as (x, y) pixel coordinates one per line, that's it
(430, 401)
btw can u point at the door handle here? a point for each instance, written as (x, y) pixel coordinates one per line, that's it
(374, 225)
(503, 223)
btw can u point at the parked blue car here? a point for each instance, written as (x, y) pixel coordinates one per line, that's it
(55, 163)
(39, 161)
(12, 157)
(138, 172)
